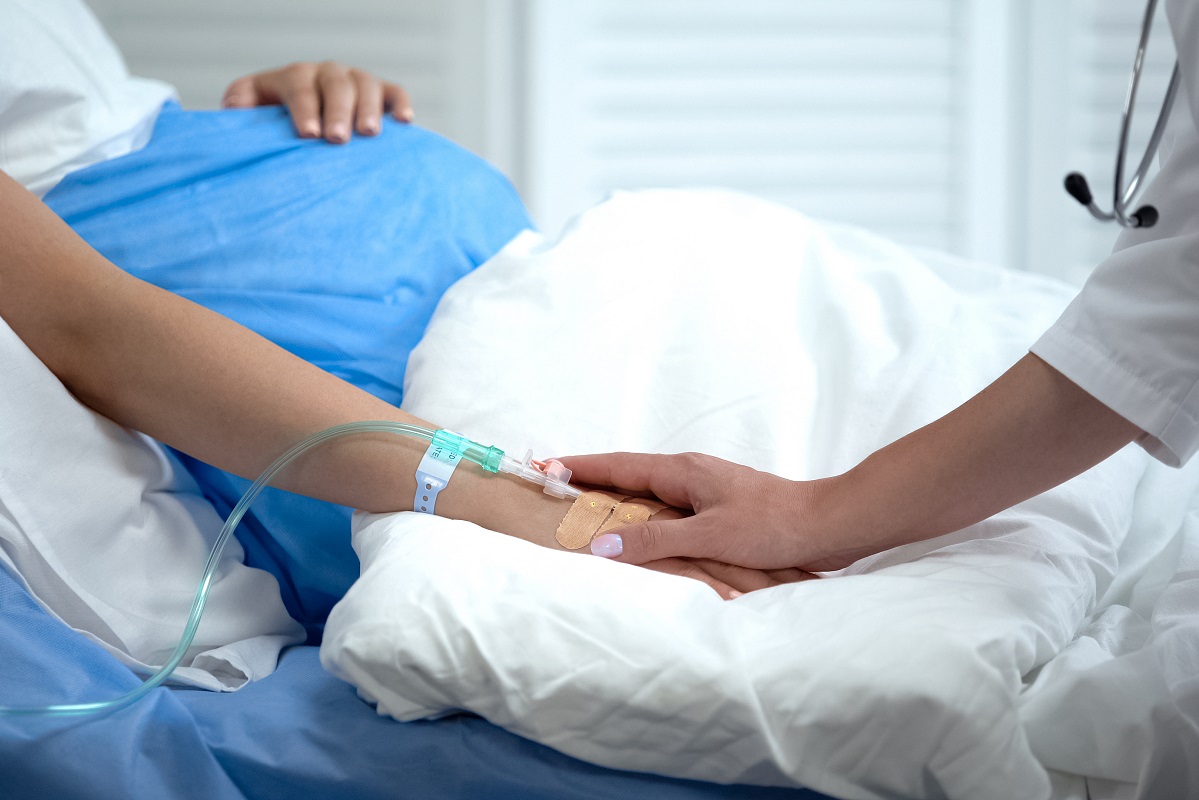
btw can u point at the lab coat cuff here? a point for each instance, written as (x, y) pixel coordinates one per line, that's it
(1169, 428)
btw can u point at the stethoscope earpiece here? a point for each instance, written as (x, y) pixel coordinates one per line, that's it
(1076, 185)
(1145, 217)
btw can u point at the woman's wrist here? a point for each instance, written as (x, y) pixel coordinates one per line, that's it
(839, 522)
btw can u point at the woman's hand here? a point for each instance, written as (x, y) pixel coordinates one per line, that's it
(1026, 433)
(727, 580)
(741, 516)
(326, 99)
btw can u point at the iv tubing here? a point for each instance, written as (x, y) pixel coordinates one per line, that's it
(486, 457)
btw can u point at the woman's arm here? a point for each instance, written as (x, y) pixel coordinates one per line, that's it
(1029, 431)
(199, 382)
(1026, 433)
(156, 362)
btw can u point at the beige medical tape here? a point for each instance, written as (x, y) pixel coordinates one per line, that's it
(593, 513)
(630, 511)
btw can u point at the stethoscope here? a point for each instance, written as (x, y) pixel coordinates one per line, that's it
(1076, 184)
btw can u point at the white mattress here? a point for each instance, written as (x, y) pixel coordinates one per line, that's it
(1056, 641)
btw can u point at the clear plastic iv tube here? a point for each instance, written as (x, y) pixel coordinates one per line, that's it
(488, 458)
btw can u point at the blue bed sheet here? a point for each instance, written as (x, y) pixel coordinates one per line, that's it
(338, 254)
(300, 733)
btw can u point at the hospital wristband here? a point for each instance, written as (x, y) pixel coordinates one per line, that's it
(432, 475)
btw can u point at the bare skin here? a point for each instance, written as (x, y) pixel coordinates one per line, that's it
(153, 361)
(326, 99)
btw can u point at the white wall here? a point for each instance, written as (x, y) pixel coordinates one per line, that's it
(942, 123)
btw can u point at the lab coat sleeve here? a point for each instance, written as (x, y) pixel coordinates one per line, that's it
(1131, 337)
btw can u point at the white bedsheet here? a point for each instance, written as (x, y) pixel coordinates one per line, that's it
(110, 535)
(992, 663)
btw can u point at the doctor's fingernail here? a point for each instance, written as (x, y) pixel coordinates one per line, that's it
(734, 594)
(609, 545)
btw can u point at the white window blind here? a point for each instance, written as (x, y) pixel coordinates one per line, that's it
(845, 110)
(942, 123)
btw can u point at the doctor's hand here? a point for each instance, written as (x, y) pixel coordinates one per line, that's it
(326, 99)
(727, 580)
(1029, 431)
(741, 516)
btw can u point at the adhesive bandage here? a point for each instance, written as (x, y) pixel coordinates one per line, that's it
(593, 513)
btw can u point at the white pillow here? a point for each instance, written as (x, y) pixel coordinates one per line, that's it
(66, 99)
(110, 535)
(669, 321)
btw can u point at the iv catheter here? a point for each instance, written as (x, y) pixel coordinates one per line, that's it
(551, 475)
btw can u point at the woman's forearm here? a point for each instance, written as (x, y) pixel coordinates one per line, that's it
(1024, 434)
(156, 362)
(163, 365)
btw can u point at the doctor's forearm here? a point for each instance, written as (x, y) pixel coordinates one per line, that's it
(1026, 433)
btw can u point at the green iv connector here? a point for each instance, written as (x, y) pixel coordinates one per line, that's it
(488, 458)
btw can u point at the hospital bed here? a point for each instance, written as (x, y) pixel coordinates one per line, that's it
(1047, 652)
(339, 255)
(298, 733)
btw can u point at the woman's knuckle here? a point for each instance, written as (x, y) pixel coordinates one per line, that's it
(648, 536)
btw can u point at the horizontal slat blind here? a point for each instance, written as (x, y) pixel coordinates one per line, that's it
(846, 110)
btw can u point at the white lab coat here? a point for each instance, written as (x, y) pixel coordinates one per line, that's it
(1131, 337)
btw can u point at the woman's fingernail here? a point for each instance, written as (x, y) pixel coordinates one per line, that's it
(609, 545)
(370, 127)
(339, 133)
(734, 594)
(408, 114)
(310, 129)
